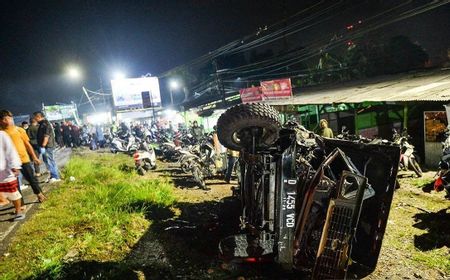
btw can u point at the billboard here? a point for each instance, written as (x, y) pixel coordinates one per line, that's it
(137, 93)
(60, 112)
(253, 94)
(276, 89)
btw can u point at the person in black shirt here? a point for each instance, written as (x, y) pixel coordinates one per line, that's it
(58, 135)
(46, 142)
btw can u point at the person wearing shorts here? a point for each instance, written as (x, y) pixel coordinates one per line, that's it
(10, 165)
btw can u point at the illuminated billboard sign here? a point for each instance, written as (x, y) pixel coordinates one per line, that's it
(60, 112)
(137, 93)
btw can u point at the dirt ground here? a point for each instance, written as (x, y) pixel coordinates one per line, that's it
(183, 243)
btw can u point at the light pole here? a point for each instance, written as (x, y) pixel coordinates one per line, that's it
(173, 84)
(75, 74)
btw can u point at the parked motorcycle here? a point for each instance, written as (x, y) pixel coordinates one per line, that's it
(408, 155)
(316, 205)
(144, 161)
(128, 146)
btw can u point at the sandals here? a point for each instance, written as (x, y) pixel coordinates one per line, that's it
(19, 217)
(41, 197)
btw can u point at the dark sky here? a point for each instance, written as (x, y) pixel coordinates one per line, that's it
(40, 38)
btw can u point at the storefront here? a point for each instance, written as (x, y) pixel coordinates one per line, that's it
(374, 107)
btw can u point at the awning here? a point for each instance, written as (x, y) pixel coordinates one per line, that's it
(422, 86)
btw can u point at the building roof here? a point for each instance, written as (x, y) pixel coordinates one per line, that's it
(421, 86)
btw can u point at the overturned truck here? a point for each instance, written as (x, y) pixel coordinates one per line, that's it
(315, 205)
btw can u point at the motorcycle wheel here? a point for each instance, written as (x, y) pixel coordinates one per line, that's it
(415, 167)
(198, 177)
(141, 171)
(246, 116)
(185, 167)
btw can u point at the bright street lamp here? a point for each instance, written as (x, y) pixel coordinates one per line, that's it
(119, 75)
(173, 85)
(74, 72)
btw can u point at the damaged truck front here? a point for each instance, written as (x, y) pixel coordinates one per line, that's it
(315, 205)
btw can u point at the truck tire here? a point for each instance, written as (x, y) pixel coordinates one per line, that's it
(246, 116)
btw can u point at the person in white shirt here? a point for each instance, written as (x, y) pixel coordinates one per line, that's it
(10, 165)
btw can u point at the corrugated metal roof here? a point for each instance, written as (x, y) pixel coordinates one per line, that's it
(426, 86)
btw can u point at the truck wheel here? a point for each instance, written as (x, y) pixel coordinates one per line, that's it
(235, 121)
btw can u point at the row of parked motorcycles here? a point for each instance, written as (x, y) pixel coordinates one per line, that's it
(195, 156)
(139, 147)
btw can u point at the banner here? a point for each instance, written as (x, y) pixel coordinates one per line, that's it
(252, 94)
(276, 89)
(60, 112)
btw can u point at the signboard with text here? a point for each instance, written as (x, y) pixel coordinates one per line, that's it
(276, 89)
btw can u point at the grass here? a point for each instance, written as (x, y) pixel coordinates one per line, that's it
(97, 217)
(418, 226)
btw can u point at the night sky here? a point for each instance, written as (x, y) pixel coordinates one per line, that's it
(40, 38)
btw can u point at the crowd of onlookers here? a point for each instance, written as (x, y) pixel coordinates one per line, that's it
(24, 147)
(21, 151)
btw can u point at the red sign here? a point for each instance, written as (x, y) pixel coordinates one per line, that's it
(276, 89)
(252, 94)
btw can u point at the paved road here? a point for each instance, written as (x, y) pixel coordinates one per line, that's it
(7, 225)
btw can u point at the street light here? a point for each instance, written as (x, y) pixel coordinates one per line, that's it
(173, 85)
(74, 72)
(119, 75)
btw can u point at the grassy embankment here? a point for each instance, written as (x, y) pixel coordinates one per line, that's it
(98, 217)
(418, 234)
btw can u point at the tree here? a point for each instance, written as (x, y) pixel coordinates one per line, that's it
(403, 55)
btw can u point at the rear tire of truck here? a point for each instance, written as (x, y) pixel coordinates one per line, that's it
(247, 116)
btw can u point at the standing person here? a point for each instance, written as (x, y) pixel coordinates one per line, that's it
(9, 170)
(32, 134)
(75, 134)
(22, 144)
(325, 131)
(66, 135)
(100, 136)
(24, 125)
(58, 135)
(196, 131)
(46, 142)
(231, 160)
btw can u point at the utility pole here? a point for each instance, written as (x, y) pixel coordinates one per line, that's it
(90, 101)
(102, 92)
(220, 87)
